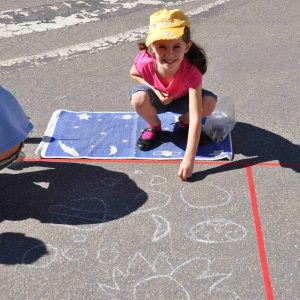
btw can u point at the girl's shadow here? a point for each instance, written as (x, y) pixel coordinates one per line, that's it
(67, 193)
(261, 146)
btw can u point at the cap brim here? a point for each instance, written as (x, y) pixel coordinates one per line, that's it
(164, 34)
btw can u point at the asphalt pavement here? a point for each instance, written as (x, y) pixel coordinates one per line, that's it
(133, 230)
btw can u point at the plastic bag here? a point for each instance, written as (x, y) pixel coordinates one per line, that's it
(222, 120)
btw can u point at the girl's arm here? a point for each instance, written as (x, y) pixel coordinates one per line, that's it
(134, 73)
(195, 116)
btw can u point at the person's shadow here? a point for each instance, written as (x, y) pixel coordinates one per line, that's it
(260, 146)
(67, 193)
(14, 248)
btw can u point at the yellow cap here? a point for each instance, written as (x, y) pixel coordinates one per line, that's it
(166, 25)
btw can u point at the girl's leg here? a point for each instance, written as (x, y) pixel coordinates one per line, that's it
(142, 105)
(208, 106)
(140, 102)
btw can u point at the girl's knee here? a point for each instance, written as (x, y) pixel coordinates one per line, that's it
(139, 99)
(208, 105)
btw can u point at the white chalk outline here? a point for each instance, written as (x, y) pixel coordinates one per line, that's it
(142, 211)
(215, 223)
(138, 259)
(163, 227)
(40, 266)
(205, 206)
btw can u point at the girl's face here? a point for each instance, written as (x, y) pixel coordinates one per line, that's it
(170, 53)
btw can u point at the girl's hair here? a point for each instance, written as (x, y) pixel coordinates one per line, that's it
(196, 55)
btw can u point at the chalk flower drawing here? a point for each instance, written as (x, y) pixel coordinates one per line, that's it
(192, 279)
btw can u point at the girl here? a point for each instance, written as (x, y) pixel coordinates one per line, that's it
(14, 128)
(169, 69)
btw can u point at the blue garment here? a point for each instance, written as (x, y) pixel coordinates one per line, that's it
(178, 106)
(14, 124)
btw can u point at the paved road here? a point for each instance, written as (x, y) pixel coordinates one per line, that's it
(134, 231)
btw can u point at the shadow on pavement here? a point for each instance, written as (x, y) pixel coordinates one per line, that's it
(67, 193)
(261, 146)
(14, 249)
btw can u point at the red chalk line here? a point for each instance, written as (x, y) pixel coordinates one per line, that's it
(154, 161)
(260, 238)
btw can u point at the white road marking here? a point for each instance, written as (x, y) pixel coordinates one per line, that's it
(72, 51)
(69, 13)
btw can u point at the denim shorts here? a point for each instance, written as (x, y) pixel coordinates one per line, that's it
(179, 106)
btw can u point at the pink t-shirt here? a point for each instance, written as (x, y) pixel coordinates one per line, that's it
(187, 76)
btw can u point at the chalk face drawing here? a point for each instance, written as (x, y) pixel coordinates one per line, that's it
(217, 231)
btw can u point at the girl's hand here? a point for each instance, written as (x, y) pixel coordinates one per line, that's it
(164, 98)
(185, 169)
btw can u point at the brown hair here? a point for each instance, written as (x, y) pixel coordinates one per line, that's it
(196, 54)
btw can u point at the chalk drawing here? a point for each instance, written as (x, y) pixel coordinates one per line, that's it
(157, 180)
(199, 196)
(138, 172)
(162, 264)
(42, 262)
(89, 213)
(192, 279)
(107, 255)
(79, 238)
(163, 227)
(74, 254)
(110, 181)
(155, 200)
(217, 231)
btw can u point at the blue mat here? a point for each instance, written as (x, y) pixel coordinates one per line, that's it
(113, 135)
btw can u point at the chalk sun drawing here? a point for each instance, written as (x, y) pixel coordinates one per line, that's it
(217, 231)
(107, 255)
(192, 279)
(67, 149)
